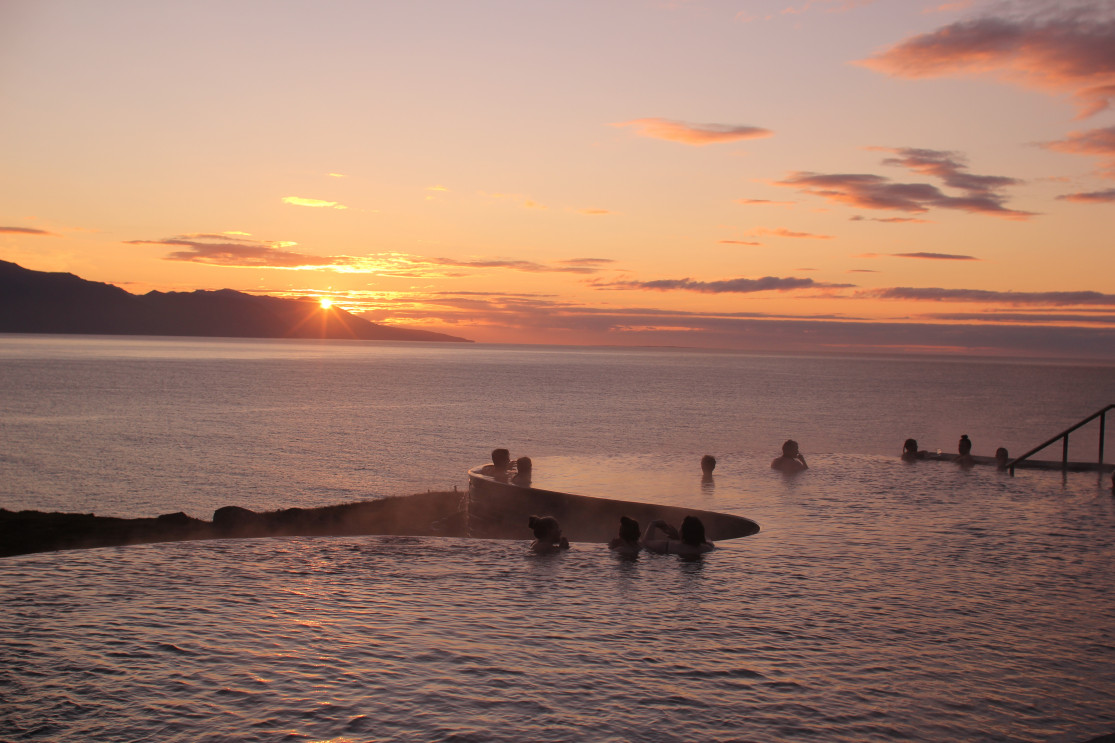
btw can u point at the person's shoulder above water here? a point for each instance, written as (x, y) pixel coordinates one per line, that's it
(626, 543)
(910, 451)
(501, 462)
(547, 535)
(964, 452)
(689, 541)
(791, 460)
(523, 471)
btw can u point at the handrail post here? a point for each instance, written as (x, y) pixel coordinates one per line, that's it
(1065, 454)
(1103, 424)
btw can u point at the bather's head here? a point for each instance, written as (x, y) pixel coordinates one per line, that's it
(692, 531)
(501, 458)
(790, 448)
(544, 527)
(964, 446)
(629, 529)
(911, 446)
(523, 465)
(708, 464)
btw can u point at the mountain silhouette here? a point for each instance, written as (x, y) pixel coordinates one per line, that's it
(42, 302)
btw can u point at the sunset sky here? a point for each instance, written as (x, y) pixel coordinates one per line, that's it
(776, 175)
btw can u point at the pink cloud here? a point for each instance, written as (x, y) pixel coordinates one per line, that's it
(1096, 142)
(694, 134)
(1070, 51)
(1091, 197)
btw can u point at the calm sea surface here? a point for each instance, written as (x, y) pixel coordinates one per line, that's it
(881, 601)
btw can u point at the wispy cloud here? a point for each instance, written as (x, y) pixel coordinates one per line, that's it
(694, 134)
(525, 201)
(589, 262)
(1091, 197)
(783, 232)
(582, 266)
(1097, 142)
(1064, 49)
(984, 296)
(739, 242)
(726, 286)
(26, 231)
(763, 202)
(867, 191)
(314, 203)
(595, 212)
(924, 256)
(1028, 318)
(226, 250)
(241, 252)
(889, 220)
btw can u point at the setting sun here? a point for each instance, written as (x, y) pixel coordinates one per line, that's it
(326, 303)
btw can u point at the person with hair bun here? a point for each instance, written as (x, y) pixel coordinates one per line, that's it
(547, 535)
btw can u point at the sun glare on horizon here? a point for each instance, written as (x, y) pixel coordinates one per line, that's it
(326, 303)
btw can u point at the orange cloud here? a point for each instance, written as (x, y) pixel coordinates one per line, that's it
(783, 232)
(763, 202)
(1091, 197)
(1097, 142)
(694, 134)
(315, 203)
(740, 242)
(1067, 51)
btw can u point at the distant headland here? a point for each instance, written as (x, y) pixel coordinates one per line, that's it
(42, 302)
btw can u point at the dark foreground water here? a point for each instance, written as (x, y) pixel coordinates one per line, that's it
(881, 601)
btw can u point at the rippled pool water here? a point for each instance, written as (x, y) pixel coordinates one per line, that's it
(881, 601)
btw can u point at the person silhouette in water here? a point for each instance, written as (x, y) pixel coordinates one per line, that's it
(523, 469)
(547, 535)
(688, 542)
(964, 449)
(626, 544)
(501, 462)
(791, 459)
(708, 464)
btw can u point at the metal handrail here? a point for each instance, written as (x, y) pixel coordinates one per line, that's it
(1101, 414)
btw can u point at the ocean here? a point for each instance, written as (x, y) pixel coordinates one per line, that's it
(882, 600)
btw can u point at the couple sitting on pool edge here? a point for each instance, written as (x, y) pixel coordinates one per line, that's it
(689, 541)
(501, 468)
